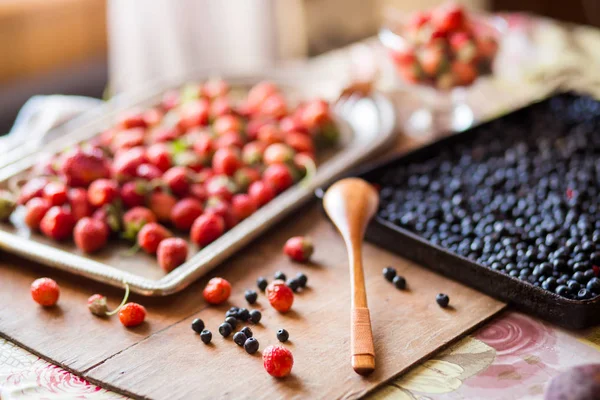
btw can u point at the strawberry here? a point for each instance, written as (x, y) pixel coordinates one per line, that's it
(171, 253)
(300, 142)
(170, 100)
(131, 119)
(153, 117)
(134, 220)
(32, 188)
(128, 139)
(133, 193)
(198, 191)
(97, 305)
(279, 176)
(258, 94)
(220, 186)
(80, 168)
(165, 134)
(8, 203)
(148, 172)
(280, 296)
(151, 235)
(57, 223)
(227, 123)
(254, 125)
(416, 23)
(178, 179)
(243, 206)
(185, 212)
(432, 59)
(55, 193)
(291, 124)
(193, 113)
(220, 107)
(217, 291)
(110, 216)
(125, 163)
(229, 139)
(132, 314)
(245, 176)
(278, 153)
(220, 207)
(464, 73)
(103, 191)
(190, 160)
(45, 292)
(90, 234)
(158, 155)
(78, 201)
(261, 192)
(35, 209)
(463, 47)
(449, 18)
(314, 114)
(215, 88)
(270, 134)
(226, 161)
(274, 107)
(207, 228)
(252, 152)
(298, 248)
(487, 47)
(161, 204)
(278, 361)
(203, 145)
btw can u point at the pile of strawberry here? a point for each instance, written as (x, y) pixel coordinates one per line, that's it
(199, 162)
(445, 48)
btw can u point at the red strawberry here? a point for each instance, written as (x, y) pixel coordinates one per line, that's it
(148, 172)
(278, 153)
(165, 134)
(158, 155)
(229, 139)
(170, 100)
(110, 216)
(97, 305)
(278, 361)
(252, 152)
(221, 186)
(448, 18)
(298, 248)
(270, 134)
(226, 161)
(33, 188)
(217, 291)
(300, 142)
(125, 163)
(80, 168)
(254, 125)
(227, 123)
(274, 107)
(280, 296)
(417, 21)
(55, 193)
(194, 113)
(134, 220)
(207, 228)
(78, 201)
(134, 193)
(198, 191)
(132, 314)
(57, 223)
(432, 59)
(151, 235)
(261, 192)
(45, 292)
(189, 159)
(243, 206)
(291, 124)
(178, 179)
(464, 73)
(259, 93)
(203, 145)
(153, 116)
(185, 212)
(487, 47)
(215, 88)
(171, 253)
(220, 106)
(131, 119)
(35, 209)
(128, 139)
(463, 46)
(279, 176)
(220, 207)
(314, 114)
(103, 191)
(90, 234)
(245, 176)
(161, 204)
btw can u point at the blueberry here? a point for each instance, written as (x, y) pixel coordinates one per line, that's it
(239, 338)
(443, 300)
(198, 325)
(549, 284)
(562, 290)
(225, 329)
(583, 294)
(302, 279)
(283, 335)
(262, 283)
(231, 321)
(206, 336)
(251, 345)
(399, 282)
(251, 296)
(593, 285)
(255, 316)
(573, 286)
(293, 284)
(280, 276)
(243, 314)
(232, 312)
(389, 273)
(247, 331)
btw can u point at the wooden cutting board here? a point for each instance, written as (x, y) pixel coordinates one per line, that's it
(164, 359)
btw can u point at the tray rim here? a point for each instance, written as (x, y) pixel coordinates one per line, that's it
(214, 254)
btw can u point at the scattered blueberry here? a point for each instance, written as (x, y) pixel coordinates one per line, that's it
(251, 345)
(262, 283)
(206, 336)
(443, 300)
(583, 294)
(399, 282)
(251, 296)
(562, 290)
(239, 338)
(389, 273)
(302, 279)
(231, 321)
(198, 325)
(225, 329)
(283, 335)
(243, 314)
(293, 284)
(255, 316)
(280, 275)
(593, 285)
(232, 312)
(246, 331)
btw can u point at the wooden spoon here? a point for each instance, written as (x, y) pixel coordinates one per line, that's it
(351, 203)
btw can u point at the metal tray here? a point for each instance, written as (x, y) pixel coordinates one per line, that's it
(568, 313)
(366, 125)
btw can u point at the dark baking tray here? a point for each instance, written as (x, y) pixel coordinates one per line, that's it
(573, 314)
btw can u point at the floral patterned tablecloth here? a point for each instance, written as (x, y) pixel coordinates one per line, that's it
(513, 357)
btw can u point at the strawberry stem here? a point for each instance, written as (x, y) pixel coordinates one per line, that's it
(116, 310)
(132, 250)
(311, 169)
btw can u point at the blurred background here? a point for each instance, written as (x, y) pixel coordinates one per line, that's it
(101, 47)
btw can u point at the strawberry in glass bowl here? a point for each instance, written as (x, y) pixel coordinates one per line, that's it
(442, 51)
